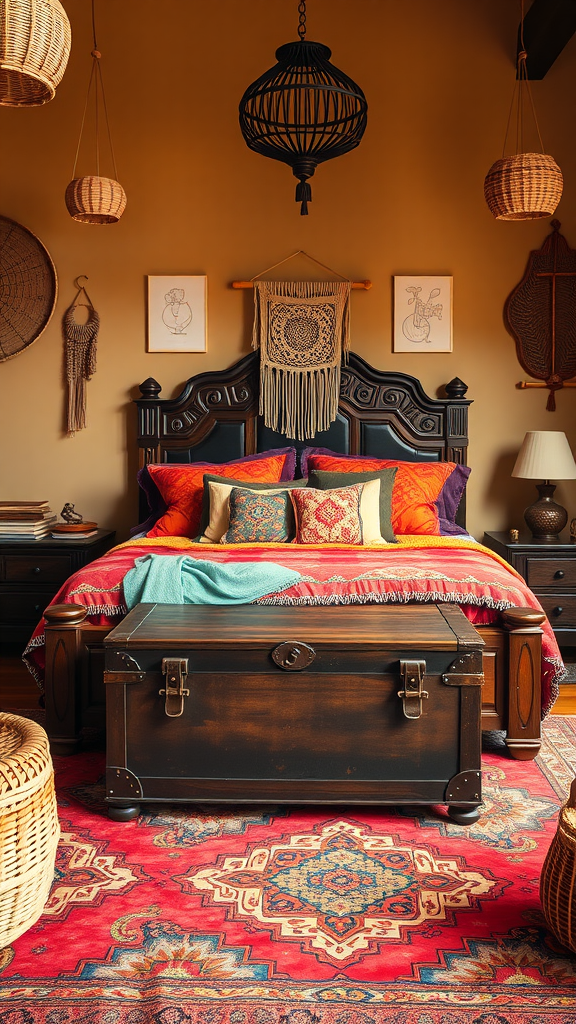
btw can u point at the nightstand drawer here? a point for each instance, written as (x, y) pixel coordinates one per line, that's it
(37, 568)
(560, 609)
(551, 572)
(24, 609)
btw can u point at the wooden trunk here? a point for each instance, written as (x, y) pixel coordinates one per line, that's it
(373, 704)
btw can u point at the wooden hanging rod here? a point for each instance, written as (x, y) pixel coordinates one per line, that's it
(356, 285)
(522, 384)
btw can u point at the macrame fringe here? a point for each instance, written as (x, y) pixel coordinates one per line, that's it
(300, 401)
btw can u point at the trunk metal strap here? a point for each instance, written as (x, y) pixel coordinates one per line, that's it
(175, 670)
(412, 674)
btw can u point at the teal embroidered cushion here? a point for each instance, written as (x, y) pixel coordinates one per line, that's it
(259, 518)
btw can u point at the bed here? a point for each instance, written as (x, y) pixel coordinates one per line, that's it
(382, 415)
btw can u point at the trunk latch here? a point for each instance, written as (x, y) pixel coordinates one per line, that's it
(175, 670)
(412, 674)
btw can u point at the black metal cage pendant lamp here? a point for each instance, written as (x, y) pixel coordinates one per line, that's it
(303, 111)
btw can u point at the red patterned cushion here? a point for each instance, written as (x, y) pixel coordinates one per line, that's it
(328, 517)
(181, 486)
(425, 496)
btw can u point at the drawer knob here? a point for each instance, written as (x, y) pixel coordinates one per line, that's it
(559, 575)
(557, 610)
(37, 569)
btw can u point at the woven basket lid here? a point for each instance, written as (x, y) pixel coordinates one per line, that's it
(28, 288)
(95, 200)
(34, 49)
(525, 186)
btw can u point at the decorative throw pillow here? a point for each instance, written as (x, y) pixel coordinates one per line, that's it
(181, 486)
(214, 521)
(425, 496)
(259, 517)
(344, 515)
(325, 480)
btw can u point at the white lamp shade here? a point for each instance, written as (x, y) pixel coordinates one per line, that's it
(545, 455)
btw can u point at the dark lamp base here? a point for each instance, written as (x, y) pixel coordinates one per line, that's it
(546, 518)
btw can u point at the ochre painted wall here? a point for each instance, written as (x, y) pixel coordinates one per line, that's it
(438, 78)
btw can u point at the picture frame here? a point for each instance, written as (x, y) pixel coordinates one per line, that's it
(422, 314)
(177, 313)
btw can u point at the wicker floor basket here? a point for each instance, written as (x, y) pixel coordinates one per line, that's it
(525, 186)
(558, 881)
(29, 827)
(35, 43)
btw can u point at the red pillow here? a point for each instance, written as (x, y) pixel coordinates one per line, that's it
(182, 485)
(417, 493)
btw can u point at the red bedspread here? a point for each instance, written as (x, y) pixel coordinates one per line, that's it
(426, 569)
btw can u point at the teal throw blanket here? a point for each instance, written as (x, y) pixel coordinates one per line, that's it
(169, 579)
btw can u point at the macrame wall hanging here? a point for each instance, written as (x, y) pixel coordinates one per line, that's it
(540, 314)
(302, 329)
(80, 356)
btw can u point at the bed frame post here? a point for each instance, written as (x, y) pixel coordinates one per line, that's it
(524, 688)
(63, 668)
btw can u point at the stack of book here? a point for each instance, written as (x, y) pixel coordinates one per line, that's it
(25, 520)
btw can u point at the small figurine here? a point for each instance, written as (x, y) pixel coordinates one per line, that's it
(69, 515)
(514, 534)
(573, 530)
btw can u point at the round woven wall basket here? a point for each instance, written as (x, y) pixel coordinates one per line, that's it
(526, 186)
(558, 880)
(28, 288)
(29, 828)
(95, 200)
(35, 44)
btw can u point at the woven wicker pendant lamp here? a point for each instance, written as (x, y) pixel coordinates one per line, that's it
(94, 199)
(35, 41)
(303, 111)
(523, 186)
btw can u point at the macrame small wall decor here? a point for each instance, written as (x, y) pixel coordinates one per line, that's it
(79, 356)
(302, 329)
(540, 314)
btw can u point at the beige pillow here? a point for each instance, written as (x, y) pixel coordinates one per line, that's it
(370, 513)
(220, 509)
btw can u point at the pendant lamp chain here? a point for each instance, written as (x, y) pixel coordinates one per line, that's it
(95, 199)
(521, 88)
(302, 19)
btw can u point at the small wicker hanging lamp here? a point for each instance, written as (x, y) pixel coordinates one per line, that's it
(94, 199)
(35, 41)
(303, 111)
(523, 186)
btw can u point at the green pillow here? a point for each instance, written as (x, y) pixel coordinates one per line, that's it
(251, 485)
(325, 480)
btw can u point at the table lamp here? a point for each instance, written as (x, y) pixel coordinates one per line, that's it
(545, 455)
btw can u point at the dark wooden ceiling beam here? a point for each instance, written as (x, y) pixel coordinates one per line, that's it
(548, 26)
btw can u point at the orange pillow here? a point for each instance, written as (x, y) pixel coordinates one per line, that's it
(417, 488)
(181, 486)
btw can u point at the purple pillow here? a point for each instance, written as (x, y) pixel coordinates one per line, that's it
(157, 506)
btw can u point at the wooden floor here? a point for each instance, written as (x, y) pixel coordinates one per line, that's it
(19, 690)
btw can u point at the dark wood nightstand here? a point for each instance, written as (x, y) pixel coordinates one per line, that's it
(549, 569)
(32, 571)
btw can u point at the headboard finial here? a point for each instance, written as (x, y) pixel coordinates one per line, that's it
(456, 388)
(150, 389)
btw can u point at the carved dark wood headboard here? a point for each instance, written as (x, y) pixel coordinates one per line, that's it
(381, 414)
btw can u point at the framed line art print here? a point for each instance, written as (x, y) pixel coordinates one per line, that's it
(422, 314)
(177, 313)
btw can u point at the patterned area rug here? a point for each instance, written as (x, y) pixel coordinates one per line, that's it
(271, 915)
